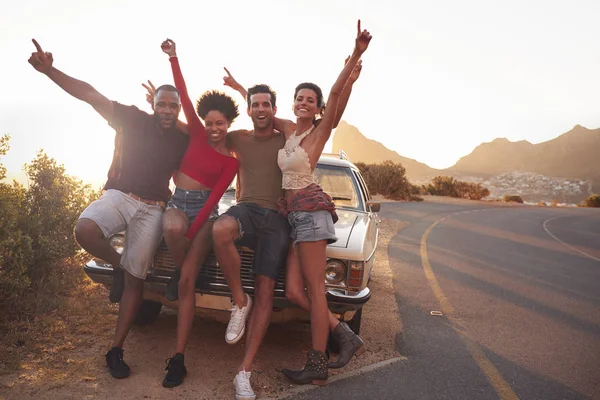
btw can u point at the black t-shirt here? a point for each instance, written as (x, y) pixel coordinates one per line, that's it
(145, 156)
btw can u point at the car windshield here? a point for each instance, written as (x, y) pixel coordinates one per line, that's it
(339, 183)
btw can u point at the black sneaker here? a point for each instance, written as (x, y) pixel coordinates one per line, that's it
(114, 360)
(177, 371)
(118, 283)
(172, 291)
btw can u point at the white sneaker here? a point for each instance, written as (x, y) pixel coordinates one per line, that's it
(243, 390)
(237, 322)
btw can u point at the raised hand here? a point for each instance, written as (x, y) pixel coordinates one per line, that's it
(356, 71)
(362, 39)
(168, 47)
(40, 60)
(150, 95)
(230, 81)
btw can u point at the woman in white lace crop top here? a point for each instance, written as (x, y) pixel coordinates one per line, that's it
(312, 228)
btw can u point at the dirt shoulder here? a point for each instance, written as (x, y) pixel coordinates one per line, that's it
(65, 359)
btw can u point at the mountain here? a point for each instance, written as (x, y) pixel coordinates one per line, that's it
(573, 155)
(360, 148)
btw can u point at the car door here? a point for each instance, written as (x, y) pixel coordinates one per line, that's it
(372, 231)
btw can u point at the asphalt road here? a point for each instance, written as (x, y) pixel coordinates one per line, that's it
(519, 290)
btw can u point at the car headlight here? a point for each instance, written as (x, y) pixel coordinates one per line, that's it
(335, 273)
(117, 242)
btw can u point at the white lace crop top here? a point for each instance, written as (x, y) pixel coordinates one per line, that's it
(294, 164)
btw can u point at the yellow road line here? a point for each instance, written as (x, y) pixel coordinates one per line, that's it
(501, 387)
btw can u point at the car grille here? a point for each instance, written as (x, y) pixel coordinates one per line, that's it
(210, 273)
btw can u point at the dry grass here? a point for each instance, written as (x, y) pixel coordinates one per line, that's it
(59, 354)
(37, 344)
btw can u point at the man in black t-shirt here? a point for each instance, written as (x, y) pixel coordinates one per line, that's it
(135, 196)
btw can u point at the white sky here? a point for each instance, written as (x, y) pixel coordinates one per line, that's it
(439, 78)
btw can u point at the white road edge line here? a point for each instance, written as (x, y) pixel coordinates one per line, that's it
(339, 377)
(563, 243)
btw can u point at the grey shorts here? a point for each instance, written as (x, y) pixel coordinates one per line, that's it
(311, 226)
(115, 212)
(266, 232)
(191, 202)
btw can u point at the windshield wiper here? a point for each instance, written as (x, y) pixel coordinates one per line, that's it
(341, 198)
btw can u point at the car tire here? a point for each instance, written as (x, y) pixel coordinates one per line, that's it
(147, 313)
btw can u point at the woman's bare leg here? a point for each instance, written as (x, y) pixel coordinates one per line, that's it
(294, 286)
(175, 226)
(313, 264)
(199, 249)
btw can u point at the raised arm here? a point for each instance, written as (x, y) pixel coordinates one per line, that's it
(195, 126)
(282, 125)
(323, 131)
(42, 62)
(343, 102)
(230, 81)
(213, 198)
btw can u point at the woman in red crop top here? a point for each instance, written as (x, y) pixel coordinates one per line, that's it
(206, 171)
(307, 263)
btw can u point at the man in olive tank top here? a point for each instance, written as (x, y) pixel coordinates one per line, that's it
(253, 222)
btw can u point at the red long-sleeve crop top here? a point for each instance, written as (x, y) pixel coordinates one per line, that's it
(201, 162)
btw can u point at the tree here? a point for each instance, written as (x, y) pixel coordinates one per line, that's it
(15, 245)
(54, 202)
(387, 178)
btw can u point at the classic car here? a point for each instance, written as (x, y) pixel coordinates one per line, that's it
(350, 260)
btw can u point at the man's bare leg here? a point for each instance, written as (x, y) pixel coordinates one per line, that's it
(130, 304)
(260, 318)
(90, 237)
(225, 231)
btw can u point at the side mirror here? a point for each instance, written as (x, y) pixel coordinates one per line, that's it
(374, 206)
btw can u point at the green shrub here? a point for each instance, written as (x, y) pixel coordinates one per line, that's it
(513, 199)
(36, 229)
(387, 179)
(448, 186)
(592, 201)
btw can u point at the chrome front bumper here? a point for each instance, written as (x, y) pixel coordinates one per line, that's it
(338, 301)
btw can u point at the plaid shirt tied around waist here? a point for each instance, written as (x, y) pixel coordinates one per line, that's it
(311, 198)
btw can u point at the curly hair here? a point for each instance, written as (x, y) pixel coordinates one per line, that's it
(218, 101)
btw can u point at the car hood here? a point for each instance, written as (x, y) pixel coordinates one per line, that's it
(344, 226)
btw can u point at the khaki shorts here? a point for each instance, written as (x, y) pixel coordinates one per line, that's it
(115, 212)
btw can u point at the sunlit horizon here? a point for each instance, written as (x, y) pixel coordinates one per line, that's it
(438, 79)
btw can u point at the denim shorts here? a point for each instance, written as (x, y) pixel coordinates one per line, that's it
(311, 226)
(266, 232)
(191, 202)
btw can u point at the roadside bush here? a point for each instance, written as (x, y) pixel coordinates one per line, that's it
(448, 186)
(387, 179)
(513, 199)
(15, 246)
(592, 201)
(36, 231)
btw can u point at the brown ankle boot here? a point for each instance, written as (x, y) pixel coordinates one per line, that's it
(350, 344)
(314, 371)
